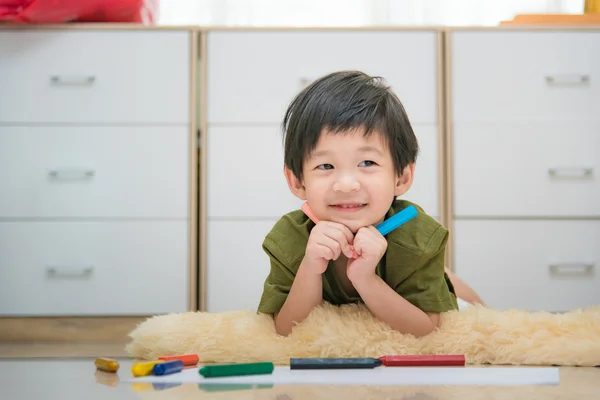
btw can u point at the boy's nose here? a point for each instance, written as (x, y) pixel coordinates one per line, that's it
(345, 184)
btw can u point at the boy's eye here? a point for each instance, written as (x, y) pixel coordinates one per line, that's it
(325, 166)
(366, 163)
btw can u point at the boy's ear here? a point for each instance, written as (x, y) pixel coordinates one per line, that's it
(404, 181)
(294, 184)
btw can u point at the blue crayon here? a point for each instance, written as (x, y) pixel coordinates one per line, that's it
(397, 220)
(169, 367)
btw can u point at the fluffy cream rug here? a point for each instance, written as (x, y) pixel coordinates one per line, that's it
(483, 335)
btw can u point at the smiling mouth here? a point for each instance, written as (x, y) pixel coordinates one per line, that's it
(349, 206)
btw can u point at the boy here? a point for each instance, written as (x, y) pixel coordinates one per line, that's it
(349, 152)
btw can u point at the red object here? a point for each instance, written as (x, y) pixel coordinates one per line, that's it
(424, 360)
(187, 359)
(61, 11)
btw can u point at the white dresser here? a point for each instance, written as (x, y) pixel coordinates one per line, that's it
(98, 178)
(95, 154)
(525, 128)
(251, 78)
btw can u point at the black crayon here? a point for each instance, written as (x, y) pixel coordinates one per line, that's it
(334, 363)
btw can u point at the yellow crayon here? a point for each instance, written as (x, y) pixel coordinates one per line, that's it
(143, 369)
(106, 364)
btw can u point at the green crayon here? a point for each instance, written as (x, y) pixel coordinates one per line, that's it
(213, 371)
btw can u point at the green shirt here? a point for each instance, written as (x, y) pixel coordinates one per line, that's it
(413, 264)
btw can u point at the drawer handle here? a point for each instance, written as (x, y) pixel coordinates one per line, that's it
(571, 173)
(567, 79)
(73, 80)
(56, 272)
(71, 174)
(575, 269)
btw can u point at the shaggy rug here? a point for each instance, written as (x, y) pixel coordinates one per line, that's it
(483, 335)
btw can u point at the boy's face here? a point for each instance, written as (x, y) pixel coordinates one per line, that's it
(350, 178)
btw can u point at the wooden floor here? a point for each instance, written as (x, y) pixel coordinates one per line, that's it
(66, 371)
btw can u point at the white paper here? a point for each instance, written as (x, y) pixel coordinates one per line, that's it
(282, 375)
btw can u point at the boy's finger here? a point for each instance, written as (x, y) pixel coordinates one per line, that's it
(325, 252)
(345, 230)
(340, 238)
(331, 244)
(358, 247)
(349, 251)
(328, 253)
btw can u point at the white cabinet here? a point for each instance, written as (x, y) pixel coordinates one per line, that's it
(94, 76)
(92, 171)
(253, 75)
(93, 268)
(238, 266)
(425, 188)
(527, 170)
(525, 76)
(526, 151)
(533, 265)
(245, 173)
(95, 172)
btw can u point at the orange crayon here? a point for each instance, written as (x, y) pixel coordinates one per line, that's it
(186, 359)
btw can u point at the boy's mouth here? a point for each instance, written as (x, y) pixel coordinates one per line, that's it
(348, 206)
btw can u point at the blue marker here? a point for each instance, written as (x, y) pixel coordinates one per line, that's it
(385, 227)
(169, 367)
(397, 220)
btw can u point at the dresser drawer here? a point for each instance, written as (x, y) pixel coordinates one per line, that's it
(237, 264)
(93, 268)
(70, 171)
(512, 76)
(245, 173)
(77, 76)
(245, 160)
(425, 188)
(549, 170)
(531, 265)
(254, 75)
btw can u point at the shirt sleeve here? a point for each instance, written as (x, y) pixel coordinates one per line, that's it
(278, 283)
(428, 287)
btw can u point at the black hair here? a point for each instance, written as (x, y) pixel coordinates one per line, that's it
(343, 101)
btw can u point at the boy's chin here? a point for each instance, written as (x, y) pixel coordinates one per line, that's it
(354, 226)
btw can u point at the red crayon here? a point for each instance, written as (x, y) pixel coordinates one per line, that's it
(186, 359)
(443, 360)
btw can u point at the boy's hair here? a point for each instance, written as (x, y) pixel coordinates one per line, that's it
(343, 101)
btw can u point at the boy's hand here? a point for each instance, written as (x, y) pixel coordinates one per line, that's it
(327, 241)
(370, 246)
